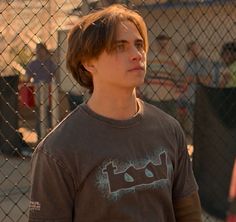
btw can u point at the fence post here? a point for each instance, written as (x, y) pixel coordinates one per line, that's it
(55, 111)
(43, 97)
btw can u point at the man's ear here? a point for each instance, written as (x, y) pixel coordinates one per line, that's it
(89, 66)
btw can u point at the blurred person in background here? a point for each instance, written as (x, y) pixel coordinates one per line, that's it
(164, 78)
(198, 70)
(228, 55)
(40, 72)
(115, 157)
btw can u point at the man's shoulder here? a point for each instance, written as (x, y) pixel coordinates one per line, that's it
(65, 134)
(34, 61)
(161, 120)
(156, 113)
(50, 62)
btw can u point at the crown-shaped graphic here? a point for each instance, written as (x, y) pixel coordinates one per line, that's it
(132, 176)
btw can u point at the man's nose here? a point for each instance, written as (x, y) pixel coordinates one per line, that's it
(136, 54)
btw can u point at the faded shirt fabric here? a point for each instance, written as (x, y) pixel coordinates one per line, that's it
(92, 168)
(41, 71)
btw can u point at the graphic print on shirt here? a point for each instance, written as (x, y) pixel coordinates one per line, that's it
(116, 179)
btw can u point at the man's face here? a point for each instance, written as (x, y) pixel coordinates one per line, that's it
(125, 66)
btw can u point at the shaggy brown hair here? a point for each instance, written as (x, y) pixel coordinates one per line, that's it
(95, 33)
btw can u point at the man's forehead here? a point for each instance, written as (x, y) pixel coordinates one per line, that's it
(125, 27)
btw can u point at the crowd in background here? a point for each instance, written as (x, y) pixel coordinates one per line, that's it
(170, 84)
(172, 80)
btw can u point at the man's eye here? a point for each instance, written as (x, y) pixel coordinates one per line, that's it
(120, 47)
(139, 45)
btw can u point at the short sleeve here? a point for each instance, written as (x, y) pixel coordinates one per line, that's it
(184, 180)
(52, 189)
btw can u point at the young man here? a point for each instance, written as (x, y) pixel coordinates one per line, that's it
(114, 158)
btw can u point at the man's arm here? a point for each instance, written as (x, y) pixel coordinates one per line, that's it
(188, 208)
(52, 189)
(185, 197)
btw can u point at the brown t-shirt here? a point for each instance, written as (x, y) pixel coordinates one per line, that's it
(92, 168)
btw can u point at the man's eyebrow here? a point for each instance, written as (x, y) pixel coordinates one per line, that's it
(126, 41)
(139, 40)
(121, 41)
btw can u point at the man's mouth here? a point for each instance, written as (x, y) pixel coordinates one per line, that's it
(137, 68)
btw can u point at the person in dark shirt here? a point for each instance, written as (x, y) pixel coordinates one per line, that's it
(115, 157)
(42, 68)
(40, 72)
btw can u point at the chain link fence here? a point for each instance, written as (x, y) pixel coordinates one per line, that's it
(192, 43)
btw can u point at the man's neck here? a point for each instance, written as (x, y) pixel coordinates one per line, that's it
(119, 107)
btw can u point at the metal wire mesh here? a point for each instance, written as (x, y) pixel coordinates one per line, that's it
(179, 30)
